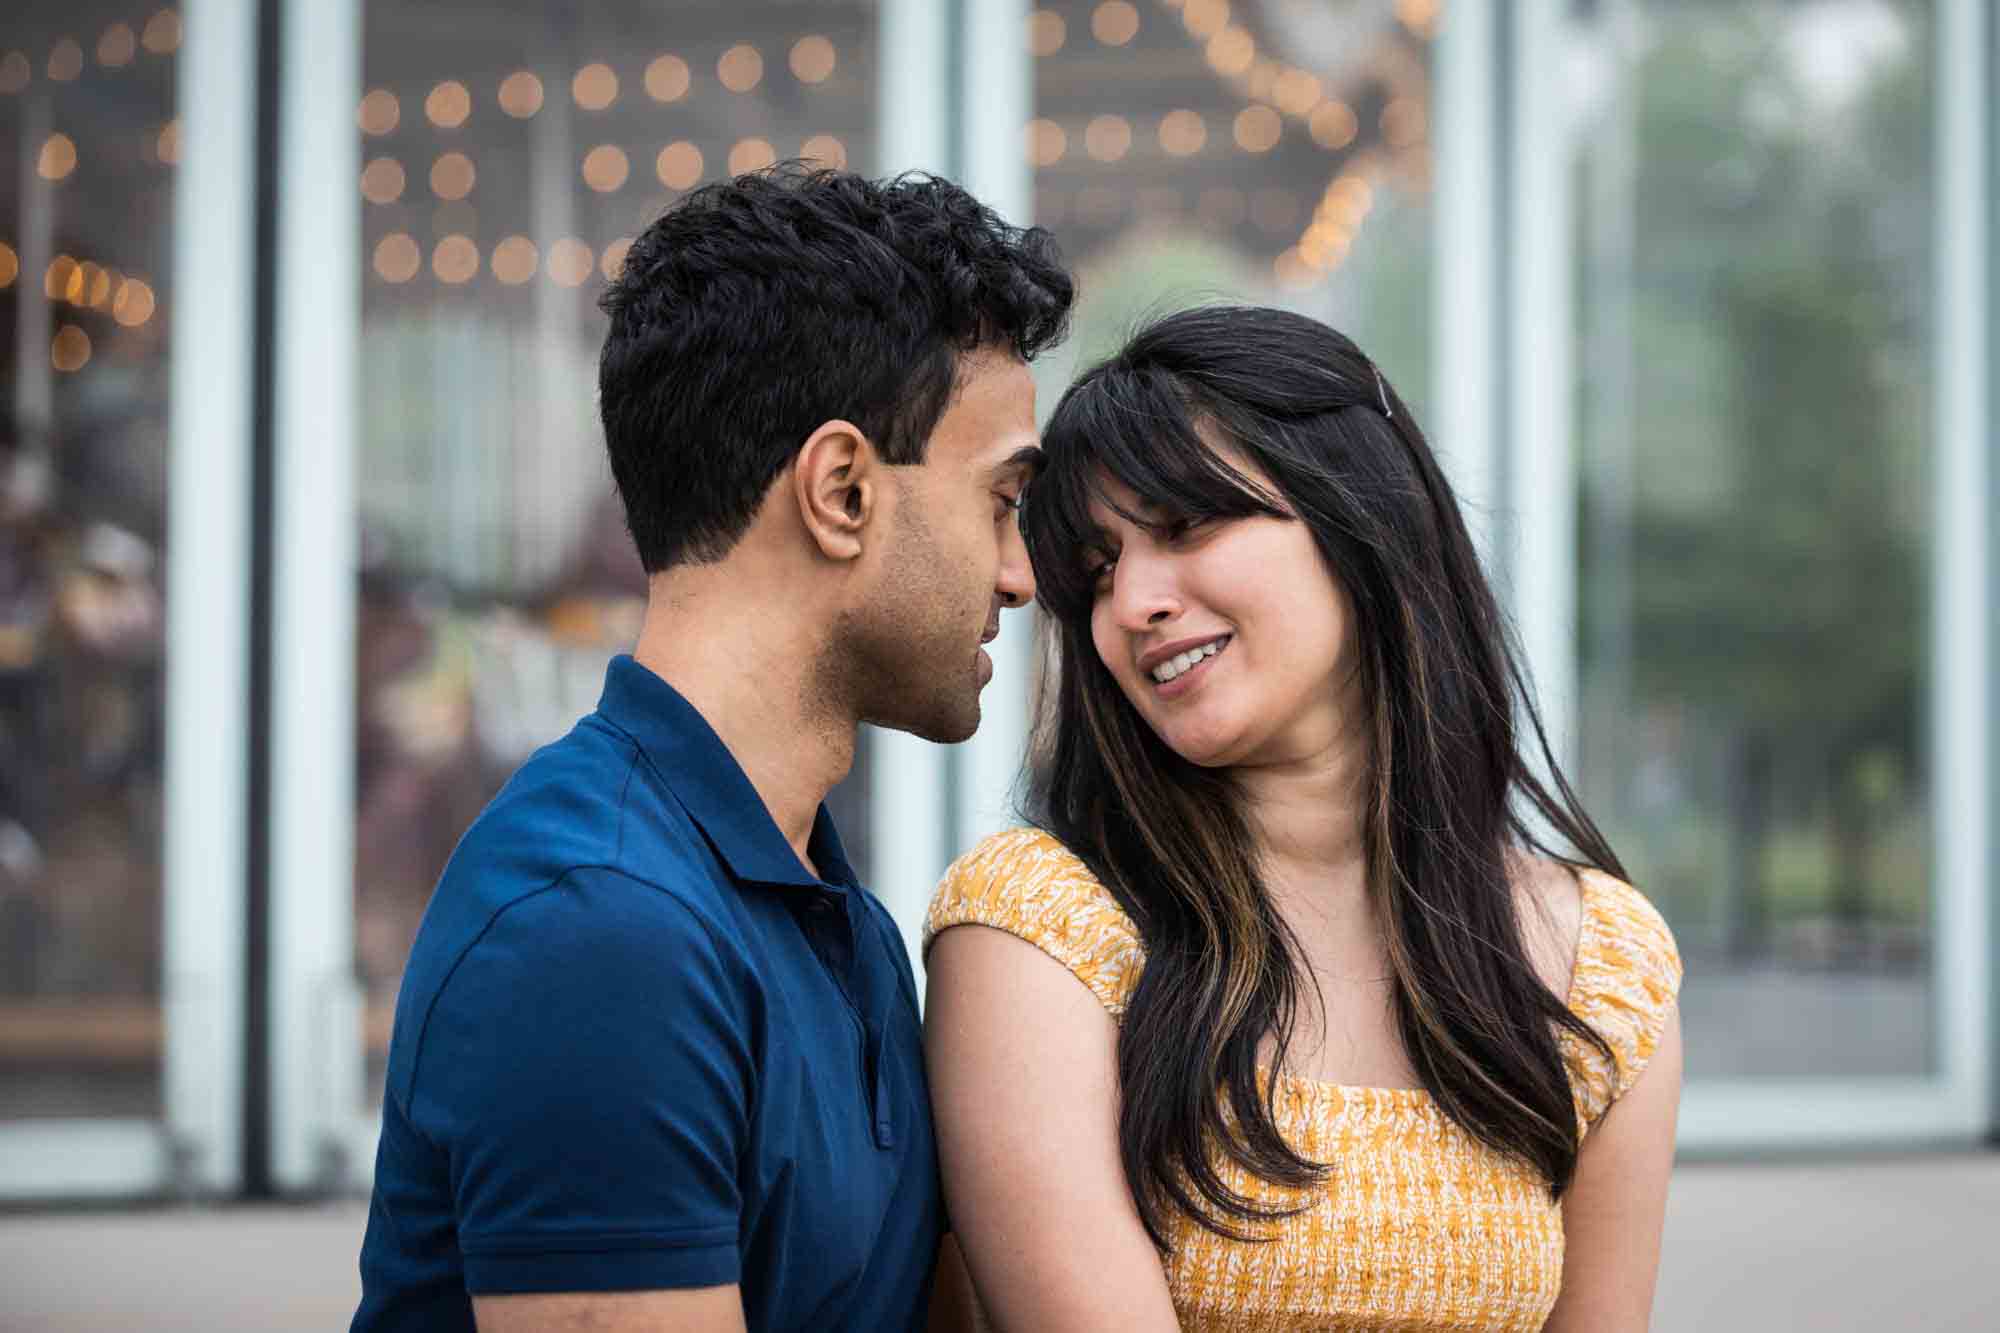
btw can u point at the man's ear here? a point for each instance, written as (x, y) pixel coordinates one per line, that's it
(837, 484)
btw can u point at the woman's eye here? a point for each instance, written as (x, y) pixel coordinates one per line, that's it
(1099, 573)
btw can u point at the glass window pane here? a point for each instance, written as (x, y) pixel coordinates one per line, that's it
(88, 144)
(509, 154)
(1755, 444)
(1271, 153)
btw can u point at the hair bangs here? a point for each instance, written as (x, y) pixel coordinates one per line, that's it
(1140, 428)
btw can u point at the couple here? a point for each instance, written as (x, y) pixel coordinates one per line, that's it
(1350, 1049)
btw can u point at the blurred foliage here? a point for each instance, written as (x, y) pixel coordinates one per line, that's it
(1759, 748)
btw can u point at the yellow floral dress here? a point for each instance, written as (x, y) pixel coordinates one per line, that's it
(1417, 1226)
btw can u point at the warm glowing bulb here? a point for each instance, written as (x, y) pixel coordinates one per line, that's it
(133, 305)
(1046, 32)
(594, 87)
(1205, 18)
(514, 260)
(58, 158)
(448, 105)
(15, 72)
(452, 176)
(751, 155)
(1403, 122)
(379, 112)
(65, 61)
(605, 168)
(826, 150)
(456, 260)
(10, 266)
(1183, 133)
(117, 46)
(382, 181)
(1333, 125)
(168, 146)
(1115, 22)
(679, 165)
(1046, 143)
(612, 263)
(813, 59)
(570, 262)
(397, 258)
(1231, 51)
(162, 35)
(55, 283)
(1296, 92)
(740, 68)
(1107, 138)
(71, 348)
(668, 79)
(521, 94)
(1258, 129)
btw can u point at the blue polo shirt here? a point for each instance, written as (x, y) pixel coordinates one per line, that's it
(640, 1045)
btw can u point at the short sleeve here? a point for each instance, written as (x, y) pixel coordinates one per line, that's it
(1028, 884)
(1627, 975)
(587, 1071)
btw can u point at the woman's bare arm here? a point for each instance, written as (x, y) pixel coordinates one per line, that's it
(1615, 1209)
(1024, 1082)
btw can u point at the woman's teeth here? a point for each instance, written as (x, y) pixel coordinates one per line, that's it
(1181, 662)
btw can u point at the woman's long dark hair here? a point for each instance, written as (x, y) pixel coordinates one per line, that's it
(1450, 792)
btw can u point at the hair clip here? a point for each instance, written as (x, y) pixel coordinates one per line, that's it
(1383, 391)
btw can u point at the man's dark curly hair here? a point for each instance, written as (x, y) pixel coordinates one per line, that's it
(759, 308)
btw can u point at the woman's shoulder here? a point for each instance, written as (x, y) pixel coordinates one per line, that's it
(1025, 882)
(1624, 985)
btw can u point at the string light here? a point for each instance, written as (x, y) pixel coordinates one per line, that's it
(1205, 18)
(452, 176)
(1107, 138)
(1419, 16)
(1114, 23)
(1183, 133)
(15, 72)
(168, 146)
(1258, 129)
(679, 165)
(605, 168)
(741, 68)
(382, 181)
(448, 105)
(162, 35)
(55, 282)
(117, 46)
(612, 263)
(1296, 92)
(825, 149)
(58, 158)
(379, 112)
(10, 266)
(70, 350)
(1231, 51)
(1046, 32)
(570, 262)
(515, 260)
(1046, 143)
(668, 79)
(65, 61)
(595, 87)
(134, 303)
(455, 260)
(813, 59)
(521, 94)
(1332, 125)
(751, 155)
(397, 258)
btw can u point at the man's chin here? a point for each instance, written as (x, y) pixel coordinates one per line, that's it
(943, 726)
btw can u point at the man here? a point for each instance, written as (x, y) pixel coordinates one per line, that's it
(656, 1061)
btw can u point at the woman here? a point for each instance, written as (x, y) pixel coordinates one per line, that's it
(1356, 1046)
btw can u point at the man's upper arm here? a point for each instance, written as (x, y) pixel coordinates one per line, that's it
(697, 1310)
(588, 1071)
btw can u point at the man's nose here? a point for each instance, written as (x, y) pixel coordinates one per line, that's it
(1015, 583)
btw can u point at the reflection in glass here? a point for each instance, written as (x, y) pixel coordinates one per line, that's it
(86, 170)
(1266, 152)
(1755, 446)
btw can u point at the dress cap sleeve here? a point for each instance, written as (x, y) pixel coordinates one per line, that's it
(1025, 882)
(1628, 972)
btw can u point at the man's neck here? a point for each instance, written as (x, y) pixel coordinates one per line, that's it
(748, 668)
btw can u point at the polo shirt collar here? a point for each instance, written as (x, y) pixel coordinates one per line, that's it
(711, 785)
